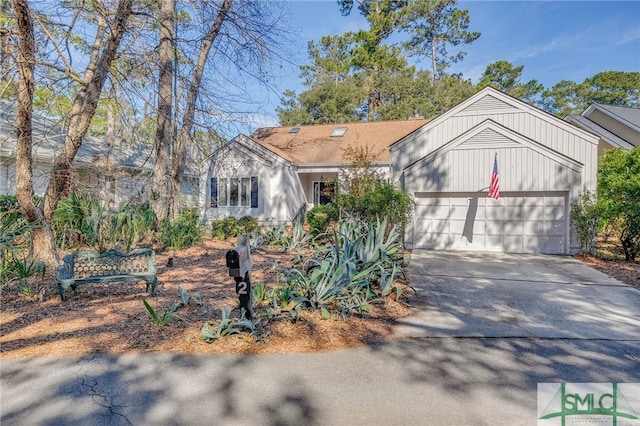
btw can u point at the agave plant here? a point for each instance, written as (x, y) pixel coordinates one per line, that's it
(226, 326)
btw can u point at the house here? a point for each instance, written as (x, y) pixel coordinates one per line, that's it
(444, 164)
(277, 173)
(115, 172)
(544, 163)
(617, 127)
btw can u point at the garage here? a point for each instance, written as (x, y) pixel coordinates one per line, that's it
(519, 222)
(544, 165)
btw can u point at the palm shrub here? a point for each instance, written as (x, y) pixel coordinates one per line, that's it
(13, 232)
(8, 203)
(81, 218)
(131, 224)
(23, 271)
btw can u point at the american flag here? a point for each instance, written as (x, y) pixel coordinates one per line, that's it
(494, 188)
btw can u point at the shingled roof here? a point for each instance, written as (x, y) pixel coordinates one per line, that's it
(314, 144)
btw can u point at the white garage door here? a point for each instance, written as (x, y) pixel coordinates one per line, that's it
(519, 222)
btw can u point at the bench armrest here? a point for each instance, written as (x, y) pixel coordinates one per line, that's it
(65, 271)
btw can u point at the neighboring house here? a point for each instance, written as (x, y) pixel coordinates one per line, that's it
(444, 164)
(115, 173)
(617, 127)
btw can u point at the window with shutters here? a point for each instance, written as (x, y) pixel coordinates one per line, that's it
(234, 192)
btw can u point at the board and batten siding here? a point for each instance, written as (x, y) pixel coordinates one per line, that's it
(541, 160)
(464, 170)
(515, 115)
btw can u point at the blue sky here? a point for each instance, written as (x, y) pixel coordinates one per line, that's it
(553, 40)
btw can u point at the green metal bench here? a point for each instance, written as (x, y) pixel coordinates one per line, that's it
(85, 267)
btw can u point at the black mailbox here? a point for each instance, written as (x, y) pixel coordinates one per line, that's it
(239, 263)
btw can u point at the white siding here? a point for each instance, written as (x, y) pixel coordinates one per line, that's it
(525, 120)
(280, 192)
(537, 153)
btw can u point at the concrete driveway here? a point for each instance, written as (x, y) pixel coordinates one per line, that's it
(473, 294)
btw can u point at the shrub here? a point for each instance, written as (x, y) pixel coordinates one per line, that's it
(380, 200)
(247, 225)
(132, 223)
(619, 196)
(183, 232)
(364, 194)
(8, 203)
(80, 218)
(320, 217)
(584, 215)
(13, 240)
(360, 262)
(225, 228)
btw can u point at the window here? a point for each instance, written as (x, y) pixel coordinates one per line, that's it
(234, 192)
(322, 193)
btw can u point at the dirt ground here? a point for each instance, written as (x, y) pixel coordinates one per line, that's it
(111, 318)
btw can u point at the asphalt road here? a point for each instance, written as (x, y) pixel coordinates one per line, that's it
(473, 353)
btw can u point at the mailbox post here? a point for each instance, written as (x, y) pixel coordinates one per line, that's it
(239, 263)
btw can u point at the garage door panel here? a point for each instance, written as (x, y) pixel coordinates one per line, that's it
(513, 243)
(512, 227)
(461, 213)
(533, 227)
(460, 227)
(554, 245)
(517, 222)
(494, 227)
(553, 213)
(432, 211)
(533, 212)
(477, 242)
(534, 243)
(555, 228)
(495, 213)
(513, 213)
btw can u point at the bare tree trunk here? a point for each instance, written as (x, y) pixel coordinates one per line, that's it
(83, 109)
(161, 186)
(184, 138)
(24, 154)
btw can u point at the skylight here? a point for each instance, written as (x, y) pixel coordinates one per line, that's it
(294, 130)
(339, 132)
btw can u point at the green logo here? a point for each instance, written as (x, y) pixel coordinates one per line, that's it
(585, 401)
